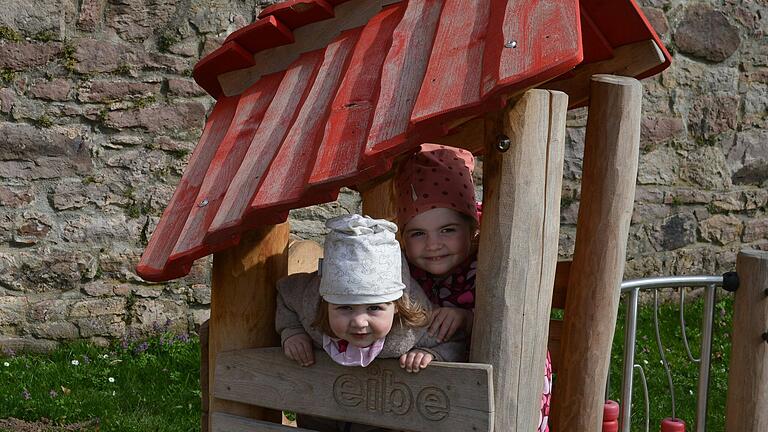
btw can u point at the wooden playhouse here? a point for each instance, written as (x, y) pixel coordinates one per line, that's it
(316, 95)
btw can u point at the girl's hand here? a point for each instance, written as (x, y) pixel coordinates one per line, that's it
(415, 360)
(446, 320)
(299, 348)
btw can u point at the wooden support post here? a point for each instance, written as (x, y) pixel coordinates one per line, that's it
(748, 376)
(607, 196)
(518, 255)
(243, 299)
(378, 199)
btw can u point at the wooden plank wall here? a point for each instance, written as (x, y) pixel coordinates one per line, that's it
(443, 397)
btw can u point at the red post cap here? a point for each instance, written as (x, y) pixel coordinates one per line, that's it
(672, 425)
(610, 416)
(610, 410)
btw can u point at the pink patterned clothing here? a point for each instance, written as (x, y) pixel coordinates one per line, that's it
(458, 290)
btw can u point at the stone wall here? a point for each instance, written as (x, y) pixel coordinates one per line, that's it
(98, 116)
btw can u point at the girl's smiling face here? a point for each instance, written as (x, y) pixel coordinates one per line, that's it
(437, 240)
(361, 325)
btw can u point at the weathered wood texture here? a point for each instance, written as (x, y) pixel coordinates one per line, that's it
(290, 170)
(747, 400)
(607, 196)
(402, 74)
(514, 282)
(243, 304)
(442, 397)
(378, 199)
(229, 423)
(266, 142)
(303, 256)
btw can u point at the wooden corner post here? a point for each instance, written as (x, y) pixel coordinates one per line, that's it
(607, 195)
(243, 300)
(748, 376)
(522, 179)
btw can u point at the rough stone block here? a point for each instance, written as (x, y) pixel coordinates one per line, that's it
(677, 231)
(147, 314)
(755, 230)
(659, 167)
(184, 88)
(90, 15)
(15, 196)
(49, 310)
(54, 330)
(113, 90)
(182, 116)
(707, 169)
(57, 89)
(97, 307)
(706, 33)
(27, 345)
(12, 310)
(21, 56)
(106, 325)
(721, 229)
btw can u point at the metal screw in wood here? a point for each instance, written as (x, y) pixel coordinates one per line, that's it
(503, 143)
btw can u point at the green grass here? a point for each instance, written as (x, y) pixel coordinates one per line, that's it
(156, 386)
(684, 372)
(137, 386)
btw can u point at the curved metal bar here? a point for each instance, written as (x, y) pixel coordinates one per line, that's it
(632, 287)
(661, 350)
(702, 393)
(630, 331)
(670, 282)
(682, 326)
(645, 398)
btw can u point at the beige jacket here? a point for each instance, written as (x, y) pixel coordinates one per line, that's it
(297, 301)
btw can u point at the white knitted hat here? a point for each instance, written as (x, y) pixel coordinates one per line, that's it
(361, 263)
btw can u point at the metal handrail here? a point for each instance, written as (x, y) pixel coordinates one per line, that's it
(632, 288)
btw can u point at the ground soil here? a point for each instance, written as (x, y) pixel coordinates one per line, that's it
(44, 425)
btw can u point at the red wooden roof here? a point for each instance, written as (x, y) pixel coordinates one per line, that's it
(320, 94)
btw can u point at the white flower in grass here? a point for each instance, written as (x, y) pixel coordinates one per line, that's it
(6, 364)
(111, 379)
(75, 362)
(105, 356)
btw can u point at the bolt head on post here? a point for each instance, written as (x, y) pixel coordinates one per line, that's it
(503, 143)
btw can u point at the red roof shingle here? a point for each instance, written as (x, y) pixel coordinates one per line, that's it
(320, 94)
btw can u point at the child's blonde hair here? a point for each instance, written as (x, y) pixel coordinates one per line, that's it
(409, 314)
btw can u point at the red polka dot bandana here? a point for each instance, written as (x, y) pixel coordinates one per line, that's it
(436, 176)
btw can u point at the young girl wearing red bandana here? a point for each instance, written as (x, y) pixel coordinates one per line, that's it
(439, 220)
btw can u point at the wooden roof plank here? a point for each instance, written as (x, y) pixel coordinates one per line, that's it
(262, 34)
(402, 75)
(227, 57)
(532, 42)
(596, 47)
(351, 113)
(153, 263)
(297, 13)
(453, 78)
(307, 38)
(286, 179)
(623, 23)
(266, 142)
(251, 108)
